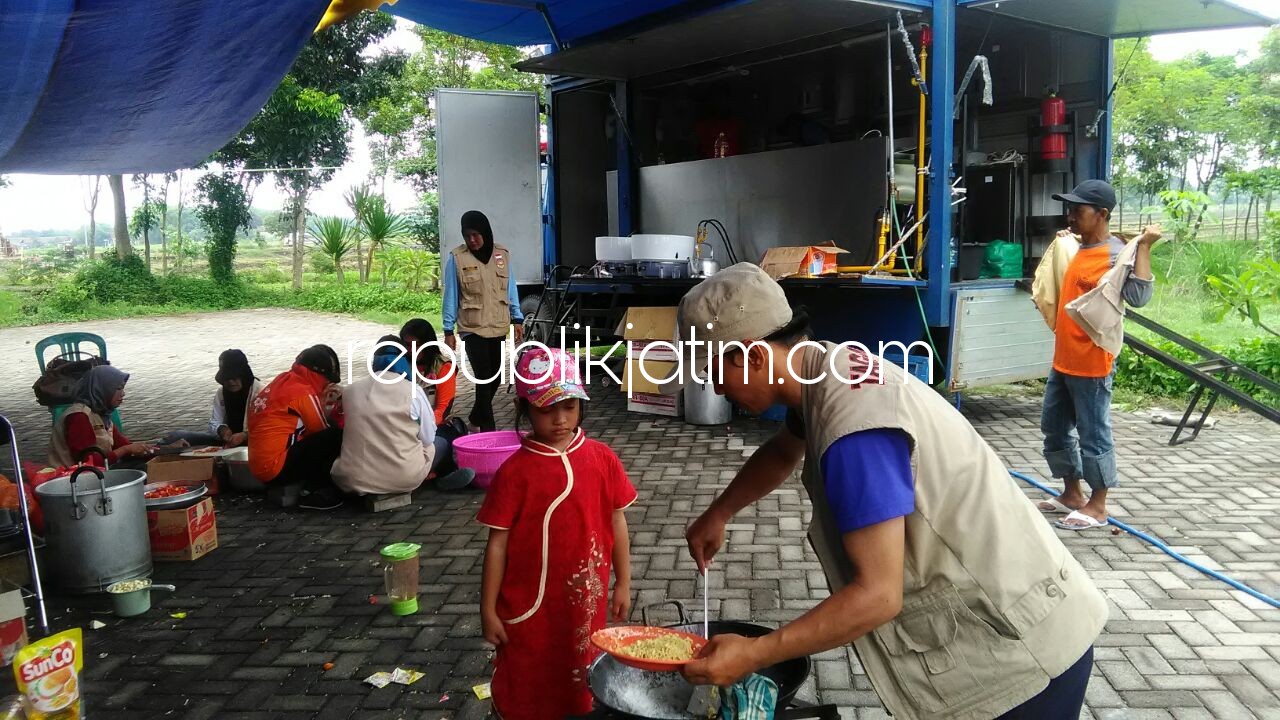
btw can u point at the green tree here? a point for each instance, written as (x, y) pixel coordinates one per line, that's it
(332, 238)
(1181, 124)
(120, 229)
(380, 227)
(92, 192)
(1245, 294)
(358, 199)
(401, 124)
(305, 125)
(223, 210)
(146, 217)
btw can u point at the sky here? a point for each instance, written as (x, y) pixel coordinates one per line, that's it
(57, 201)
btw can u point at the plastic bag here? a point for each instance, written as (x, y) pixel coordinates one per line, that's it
(1003, 259)
(48, 676)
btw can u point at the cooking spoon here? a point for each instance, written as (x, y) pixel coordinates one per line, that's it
(705, 700)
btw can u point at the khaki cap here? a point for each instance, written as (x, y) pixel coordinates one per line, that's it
(738, 304)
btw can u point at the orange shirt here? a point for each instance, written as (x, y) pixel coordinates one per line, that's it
(1074, 352)
(281, 415)
(445, 391)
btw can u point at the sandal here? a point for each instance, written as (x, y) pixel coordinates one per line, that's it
(1082, 522)
(1055, 507)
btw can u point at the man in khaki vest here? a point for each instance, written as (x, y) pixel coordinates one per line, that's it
(958, 598)
(480, 304)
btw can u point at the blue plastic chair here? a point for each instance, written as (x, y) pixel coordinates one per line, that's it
(69, 345)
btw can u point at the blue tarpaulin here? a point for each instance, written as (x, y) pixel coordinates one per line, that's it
(120, 86)
(520, 23)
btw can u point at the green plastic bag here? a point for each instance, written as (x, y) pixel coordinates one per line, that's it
(1003, 259)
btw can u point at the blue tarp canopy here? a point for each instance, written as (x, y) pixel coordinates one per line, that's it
(120, 86)
(517, 22)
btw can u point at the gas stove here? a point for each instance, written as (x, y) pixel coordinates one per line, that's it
(797, 710)
(648, 269)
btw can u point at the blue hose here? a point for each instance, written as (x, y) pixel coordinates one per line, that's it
(1167, 550)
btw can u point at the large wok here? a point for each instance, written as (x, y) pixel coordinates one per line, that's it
(635, 693)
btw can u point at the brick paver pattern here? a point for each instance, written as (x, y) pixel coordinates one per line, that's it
(286, 593)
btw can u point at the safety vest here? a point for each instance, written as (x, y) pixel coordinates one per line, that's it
(994, 605)
(483, 304)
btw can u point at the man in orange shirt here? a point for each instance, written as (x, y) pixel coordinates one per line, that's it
(1076, 419)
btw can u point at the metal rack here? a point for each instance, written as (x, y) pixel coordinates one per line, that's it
(7, 436)
(1211, 374)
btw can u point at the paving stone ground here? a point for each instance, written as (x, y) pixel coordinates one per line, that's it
(286, 593)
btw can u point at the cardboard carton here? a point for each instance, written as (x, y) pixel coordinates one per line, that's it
(13, 625)
(806, 261)
(649, 325)
(646, 396)
(184, 534)
(175, 468)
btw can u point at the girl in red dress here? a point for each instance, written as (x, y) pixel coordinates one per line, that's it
(556, 529)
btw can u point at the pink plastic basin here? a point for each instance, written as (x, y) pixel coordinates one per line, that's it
(485, 453)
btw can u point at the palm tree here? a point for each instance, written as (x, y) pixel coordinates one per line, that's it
(380, 226)
(332, 237)
(360, 198)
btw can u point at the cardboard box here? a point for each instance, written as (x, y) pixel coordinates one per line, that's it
(183, 534)
(171, 468)
(649, 326)
(806, 261)
(646, 396)
(666, 405)
(13, 625)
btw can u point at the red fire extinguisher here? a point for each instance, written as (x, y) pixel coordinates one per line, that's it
(1053, 112)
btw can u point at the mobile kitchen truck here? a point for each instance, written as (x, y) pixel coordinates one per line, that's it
(800, 123)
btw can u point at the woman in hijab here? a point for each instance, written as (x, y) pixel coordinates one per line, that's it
(481, 305)
(435, 373)
(85, 432)
(291, 444)
(229, 419)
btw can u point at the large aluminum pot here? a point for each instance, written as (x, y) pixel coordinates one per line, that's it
(662, 247)
(702, 406)
(613, 249)
(96, 528)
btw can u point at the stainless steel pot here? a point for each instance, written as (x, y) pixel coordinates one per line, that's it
(702, 406)
(96, 535)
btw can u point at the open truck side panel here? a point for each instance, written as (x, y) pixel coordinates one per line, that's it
(489, 161)
(808, 84)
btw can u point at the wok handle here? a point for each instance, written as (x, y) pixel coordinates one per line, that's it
(679, 606)
(817, 712)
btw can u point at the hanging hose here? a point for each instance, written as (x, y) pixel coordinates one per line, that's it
(987, 98)
(1167, 550)
(911, 55)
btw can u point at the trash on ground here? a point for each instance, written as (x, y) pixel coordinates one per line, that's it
(379, 679)
(404, 676)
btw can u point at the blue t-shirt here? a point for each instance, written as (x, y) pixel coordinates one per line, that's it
(867, 476)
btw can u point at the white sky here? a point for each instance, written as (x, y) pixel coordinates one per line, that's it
(56, 201)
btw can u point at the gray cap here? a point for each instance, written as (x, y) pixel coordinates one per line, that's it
(738, 304)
